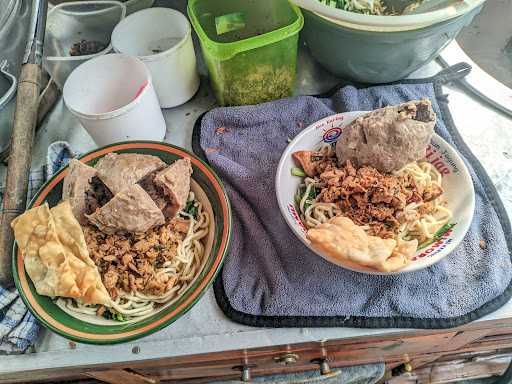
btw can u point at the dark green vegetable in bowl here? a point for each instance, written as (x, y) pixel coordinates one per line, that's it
(374, 7)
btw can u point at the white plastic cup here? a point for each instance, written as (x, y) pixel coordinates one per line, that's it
(162, 39)
(113, 98)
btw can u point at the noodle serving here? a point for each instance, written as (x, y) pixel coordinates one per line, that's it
(370, 198)
(179, 272)
(421, 219)
(130, 237)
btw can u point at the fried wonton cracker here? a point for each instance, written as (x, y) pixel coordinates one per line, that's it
(56, 256)
(341, 239)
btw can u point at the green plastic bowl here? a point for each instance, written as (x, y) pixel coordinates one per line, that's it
(377, 57)
(57, 320)
(256, 62)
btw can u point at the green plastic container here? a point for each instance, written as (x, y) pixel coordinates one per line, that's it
(256, 59)
(377, 57)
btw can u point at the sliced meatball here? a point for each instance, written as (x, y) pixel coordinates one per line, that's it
(119, 171)
(76, 186)
(175, 183)
(156, 192)
(96, 196)
(130, 211)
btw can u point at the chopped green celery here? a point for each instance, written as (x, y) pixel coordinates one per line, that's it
(309, 200)
(229, 22)
(118, 317)
(438, 235)
(298, 197)
(441, 231)
(312, 196)
(191, 208)
(296, 171)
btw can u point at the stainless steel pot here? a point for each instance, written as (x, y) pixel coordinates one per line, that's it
(14, 24)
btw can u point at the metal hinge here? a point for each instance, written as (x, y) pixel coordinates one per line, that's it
(287, 359)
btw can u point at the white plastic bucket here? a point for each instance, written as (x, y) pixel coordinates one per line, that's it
(114, 99)
(161, 38)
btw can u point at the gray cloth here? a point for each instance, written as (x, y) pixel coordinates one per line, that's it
(268, 272)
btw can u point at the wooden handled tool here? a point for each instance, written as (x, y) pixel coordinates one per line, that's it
(20, 157)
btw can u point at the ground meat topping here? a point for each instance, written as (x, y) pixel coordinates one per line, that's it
(371, 198)
(130, 262)
(432, 192)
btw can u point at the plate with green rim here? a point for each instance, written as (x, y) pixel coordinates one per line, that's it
(208, 188)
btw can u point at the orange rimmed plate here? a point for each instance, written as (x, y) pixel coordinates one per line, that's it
(209, 189)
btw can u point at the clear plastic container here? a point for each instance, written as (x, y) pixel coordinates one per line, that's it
(132, 6)
(250, 47)
(73, 22)
(8, 13)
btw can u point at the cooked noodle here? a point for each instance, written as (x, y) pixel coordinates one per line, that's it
(182, 269)
(428, 219)
(425, 227)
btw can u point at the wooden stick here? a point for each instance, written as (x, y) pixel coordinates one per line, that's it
(15, 193)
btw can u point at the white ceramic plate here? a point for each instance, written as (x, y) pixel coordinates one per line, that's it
(457, 184)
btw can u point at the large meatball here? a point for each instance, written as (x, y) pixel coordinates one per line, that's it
(390, 137)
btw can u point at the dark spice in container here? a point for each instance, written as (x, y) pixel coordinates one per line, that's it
(86, 47)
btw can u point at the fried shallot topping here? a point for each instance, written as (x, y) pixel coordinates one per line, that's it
(370, 198)
(131, 262)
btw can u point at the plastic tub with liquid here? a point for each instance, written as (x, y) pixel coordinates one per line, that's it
(250, 47)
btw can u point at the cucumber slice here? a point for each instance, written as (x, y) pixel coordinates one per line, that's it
(229, 22)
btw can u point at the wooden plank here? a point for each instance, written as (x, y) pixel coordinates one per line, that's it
(120, 376)
(451, 371)
(421, 361)
(500, 331)
(462, 339)
(52, 377)
(344, 355)
(475, 355)
(360, 350)
(336, 355)
(209, 374)
(486, 345)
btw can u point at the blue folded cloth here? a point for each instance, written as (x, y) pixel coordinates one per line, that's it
(270, 278)
(18, 328)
